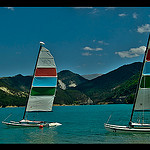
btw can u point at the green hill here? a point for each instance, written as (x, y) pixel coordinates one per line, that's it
(112, 84)
(117, 86)
(14, 90)
(18, 82)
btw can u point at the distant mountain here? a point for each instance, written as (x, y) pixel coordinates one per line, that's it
(101, 88)
(18, 82)
(91, 76)
(68, 79)
(66, 94)
(14, 90)
(117, 86)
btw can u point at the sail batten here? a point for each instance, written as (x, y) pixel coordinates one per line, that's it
(44, 83)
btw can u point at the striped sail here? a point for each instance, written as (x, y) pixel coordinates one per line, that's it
(44, 83)
(143, 96)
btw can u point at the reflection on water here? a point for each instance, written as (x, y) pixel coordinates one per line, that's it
(80, 125)
(141, 117)
(41, 135)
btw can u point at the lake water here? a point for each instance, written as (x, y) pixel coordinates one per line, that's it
(80, 125)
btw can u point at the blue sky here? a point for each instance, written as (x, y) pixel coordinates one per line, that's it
(84, 40)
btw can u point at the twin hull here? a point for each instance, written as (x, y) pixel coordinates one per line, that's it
(126, 129)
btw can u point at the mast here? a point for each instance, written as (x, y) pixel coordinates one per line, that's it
(41, 43)
(138, 86)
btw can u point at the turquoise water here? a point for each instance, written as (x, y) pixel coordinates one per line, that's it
(80, 125)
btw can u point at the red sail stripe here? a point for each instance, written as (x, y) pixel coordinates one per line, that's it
(45, 72)
(148, 55)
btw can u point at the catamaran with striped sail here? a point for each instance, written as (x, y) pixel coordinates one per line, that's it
(140, 116)
(42, 91)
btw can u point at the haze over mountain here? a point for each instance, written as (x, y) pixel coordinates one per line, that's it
(91, 76)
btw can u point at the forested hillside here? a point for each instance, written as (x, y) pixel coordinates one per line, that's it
(117, 86)
(119, 82)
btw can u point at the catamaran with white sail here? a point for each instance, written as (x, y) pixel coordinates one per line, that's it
(42, 91)
(141, 106)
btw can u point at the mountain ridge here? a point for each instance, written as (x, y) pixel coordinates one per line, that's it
(99, 86)
(91, 76)
(116, 86)
(70, 79)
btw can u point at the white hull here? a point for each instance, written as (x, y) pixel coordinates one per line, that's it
(126, 129)
(13, 123)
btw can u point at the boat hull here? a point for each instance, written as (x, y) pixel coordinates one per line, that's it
(13, 123)
(126, 129)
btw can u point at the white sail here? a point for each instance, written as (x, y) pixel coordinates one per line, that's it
(40, 103)
(45, 59)
(143, 96)
(44, 83)
(143, 100)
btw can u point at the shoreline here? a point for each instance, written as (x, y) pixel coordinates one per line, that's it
(102, 103)
(11, 106)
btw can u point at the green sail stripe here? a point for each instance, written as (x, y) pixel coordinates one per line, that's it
(38, 91)
(145, 83)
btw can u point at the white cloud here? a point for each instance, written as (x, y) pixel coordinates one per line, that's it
(98, 49)
(91, 10)
(86, 54)
(110, 8)
(92, 49)
(88, 48)
(122, 15)
(133, 52)
(144, 28)
(135, 15)
(102, 42)
(10, 8)
(94, 11)
(82, 7)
